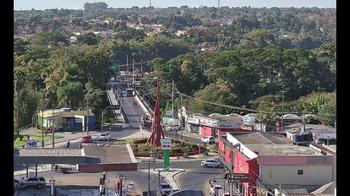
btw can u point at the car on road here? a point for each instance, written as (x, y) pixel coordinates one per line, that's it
(211, 163)
(208, 139)
(214, 190)
(36, 181)
(104, 137)
(165, 188)
(86, 139)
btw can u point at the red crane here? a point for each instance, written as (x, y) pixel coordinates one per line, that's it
(157, 131)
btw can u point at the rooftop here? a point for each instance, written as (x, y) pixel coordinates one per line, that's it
(310, 127)
(110, 154)
(261, 138)
(281, 149)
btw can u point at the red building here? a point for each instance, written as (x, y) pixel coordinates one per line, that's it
(213, 125)
(270, 159)
(237, 162)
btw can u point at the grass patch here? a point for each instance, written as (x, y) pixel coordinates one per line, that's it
(21, 140)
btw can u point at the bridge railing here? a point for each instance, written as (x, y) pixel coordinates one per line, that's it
(145, 103)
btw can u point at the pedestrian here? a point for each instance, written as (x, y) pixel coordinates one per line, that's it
(68, 143)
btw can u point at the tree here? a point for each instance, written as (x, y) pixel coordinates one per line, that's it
(220, 92)
(70, 94)
(88, 38)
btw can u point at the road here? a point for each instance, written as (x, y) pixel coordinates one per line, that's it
(195, 177)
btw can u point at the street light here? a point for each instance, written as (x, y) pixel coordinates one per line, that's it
(110, 106)
(282, 109)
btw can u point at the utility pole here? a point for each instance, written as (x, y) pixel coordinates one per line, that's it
(87, 119)
(42, 129)
(282, 111)
(127, 63)
(53, 128)
(158, 182)
(121, 185)
(149, 178)
(133, 70)
(172, 99)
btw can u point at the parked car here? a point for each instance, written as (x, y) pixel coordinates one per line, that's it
(214, 190)
(208, 139)
(165, 188)
(104, 136)
(211, 163)
(37, 181)
(86, 139)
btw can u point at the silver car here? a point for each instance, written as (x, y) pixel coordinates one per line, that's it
(211, 163)
(36, 181)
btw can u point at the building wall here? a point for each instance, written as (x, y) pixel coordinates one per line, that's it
(205, 131)
(287, 174)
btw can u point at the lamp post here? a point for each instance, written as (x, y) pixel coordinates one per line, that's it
(102, 122)
(282, 110)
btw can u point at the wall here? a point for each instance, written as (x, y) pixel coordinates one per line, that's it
(287, 174)
(205, 131)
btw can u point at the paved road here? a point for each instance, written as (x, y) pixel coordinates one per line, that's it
(198, 179)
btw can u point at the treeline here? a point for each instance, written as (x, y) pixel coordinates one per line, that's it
(252, 78)
(248, 27)
(51, 73)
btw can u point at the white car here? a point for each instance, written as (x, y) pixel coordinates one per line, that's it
(208, 139)
(165, 188)
(104, 136)
(211, 163)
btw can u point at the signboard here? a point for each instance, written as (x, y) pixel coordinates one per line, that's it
(166, 143)
(238, 177)
(115, 65)
(170, 121)
(208, 122)
(193, 120)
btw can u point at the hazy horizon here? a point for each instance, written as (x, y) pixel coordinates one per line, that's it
(79, 4)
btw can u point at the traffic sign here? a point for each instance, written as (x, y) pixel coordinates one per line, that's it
(238, 177)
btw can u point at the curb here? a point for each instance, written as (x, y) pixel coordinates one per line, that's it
(173, 177)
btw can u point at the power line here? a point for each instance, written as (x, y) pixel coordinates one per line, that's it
(217, 104)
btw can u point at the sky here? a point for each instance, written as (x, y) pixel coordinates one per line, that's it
(79, 4)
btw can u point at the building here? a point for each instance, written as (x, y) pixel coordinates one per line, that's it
(66, 119)
(213, 125)
(271, 160)
(319, 133)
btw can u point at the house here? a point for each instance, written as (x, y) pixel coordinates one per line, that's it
(66, 119)
(270, 160)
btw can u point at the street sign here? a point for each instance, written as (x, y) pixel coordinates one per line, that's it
(238, 177)
(166, 143)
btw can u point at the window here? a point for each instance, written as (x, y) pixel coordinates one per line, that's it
(300, 172)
